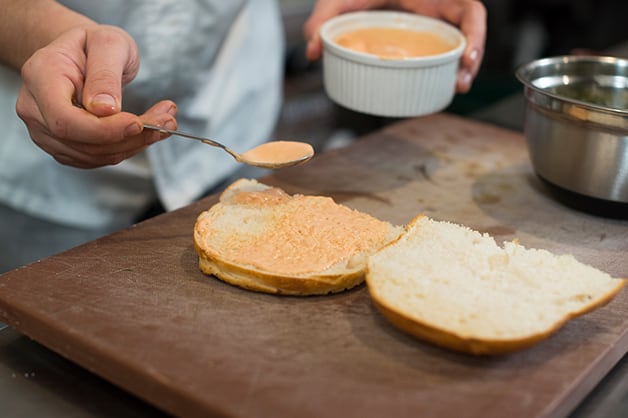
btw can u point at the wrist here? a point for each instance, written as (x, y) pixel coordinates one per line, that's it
(22, 32)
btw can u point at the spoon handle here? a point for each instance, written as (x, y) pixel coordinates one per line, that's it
(198, 138)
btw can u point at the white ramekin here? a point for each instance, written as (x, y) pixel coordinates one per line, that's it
(389, 87)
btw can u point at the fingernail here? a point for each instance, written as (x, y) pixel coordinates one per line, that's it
(104, 100)
(466, 80)
(172, 111)
(473, 55)
(133, 129)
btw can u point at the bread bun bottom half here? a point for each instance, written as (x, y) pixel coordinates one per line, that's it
(457, 288)
(260, 238)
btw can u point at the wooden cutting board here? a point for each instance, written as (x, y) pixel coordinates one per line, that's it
(134, 308)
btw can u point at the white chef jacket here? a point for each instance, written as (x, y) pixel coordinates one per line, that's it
(220, 61)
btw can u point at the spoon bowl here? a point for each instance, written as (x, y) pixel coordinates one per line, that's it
(273, 154)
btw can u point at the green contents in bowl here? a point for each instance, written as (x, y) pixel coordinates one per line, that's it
(595, 94)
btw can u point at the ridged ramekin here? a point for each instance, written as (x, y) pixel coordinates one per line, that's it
(388, 87)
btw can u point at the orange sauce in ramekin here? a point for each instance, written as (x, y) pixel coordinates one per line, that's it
(394, 43)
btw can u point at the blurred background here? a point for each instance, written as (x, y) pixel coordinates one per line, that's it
(517, 32)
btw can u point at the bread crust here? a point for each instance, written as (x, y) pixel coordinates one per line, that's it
(250, 279)
(476, 346)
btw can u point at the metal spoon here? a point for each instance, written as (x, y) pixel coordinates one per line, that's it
(274, 154)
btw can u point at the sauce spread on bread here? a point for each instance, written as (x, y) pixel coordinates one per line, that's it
(394, 43)
(270, 196)
(307, 233)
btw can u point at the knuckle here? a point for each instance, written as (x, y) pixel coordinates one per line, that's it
(29, 68)
(22, 109)
(109, 35)
(58, 127)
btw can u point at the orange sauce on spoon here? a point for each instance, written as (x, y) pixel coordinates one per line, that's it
(279, 152)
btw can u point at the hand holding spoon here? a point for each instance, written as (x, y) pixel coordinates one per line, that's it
(274, 154)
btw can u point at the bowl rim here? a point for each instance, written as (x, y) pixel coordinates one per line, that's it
(523, 74)
(408, 19)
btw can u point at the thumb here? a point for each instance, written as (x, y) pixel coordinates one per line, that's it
(112, 61)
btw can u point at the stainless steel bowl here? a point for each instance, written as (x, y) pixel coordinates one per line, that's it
(576, 123)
